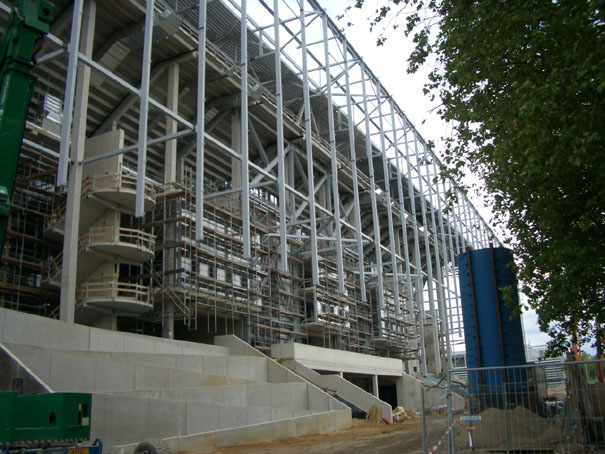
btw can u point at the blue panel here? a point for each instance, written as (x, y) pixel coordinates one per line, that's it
(492, 337)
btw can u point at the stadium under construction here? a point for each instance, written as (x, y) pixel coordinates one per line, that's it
(193, 170)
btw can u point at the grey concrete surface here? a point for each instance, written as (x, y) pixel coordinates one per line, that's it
(77, 371)
(327, 359)
(290, 396)
(342, 387)
(21, 328)
(325, 422)
(145, 387)
(12, 368)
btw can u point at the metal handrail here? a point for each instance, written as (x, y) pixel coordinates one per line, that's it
(56, 216)
(96, 236)
(110, 290)
(52, 267)
(115, 182)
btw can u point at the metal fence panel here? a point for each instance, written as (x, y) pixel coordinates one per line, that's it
(545, 408)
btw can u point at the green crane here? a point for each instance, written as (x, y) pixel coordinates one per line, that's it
(28, 21)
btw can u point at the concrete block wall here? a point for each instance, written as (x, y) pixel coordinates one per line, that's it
(137, 381)
(319, 358)
(292, 396)
(342, 387)
(147, 417)
(21, 328)
(11, 367)
(245, 367)
(325, 422)
(84, 372)
(276, 373)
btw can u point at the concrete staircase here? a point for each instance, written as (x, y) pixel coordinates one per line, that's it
(192, 396)
(335, 384)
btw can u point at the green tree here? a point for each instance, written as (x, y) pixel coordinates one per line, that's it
(522, 83)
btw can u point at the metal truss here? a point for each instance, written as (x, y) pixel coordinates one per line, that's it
(273, 103)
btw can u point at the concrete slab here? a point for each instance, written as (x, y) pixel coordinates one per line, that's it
(166, 418)
(299, 399)
(257, 415)
(72, 372)
(137, 344)
(326, 422)
(281, 413)
(284, 429)
(280, 395)
(237, 367)
(237, 346)
(276, 373)
(232, 417)
(193, 363)
(260, 433)
(306, 425)
(317, 399)
(260, 395)
(257, 369)
(77, 337)
(193, 443)
(114, 375)
(149, 377)
(102, 340)
(215, 365)
(20, 328)
(36, 359)
(201, 418)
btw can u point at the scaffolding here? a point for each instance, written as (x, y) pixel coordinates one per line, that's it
(243, 171)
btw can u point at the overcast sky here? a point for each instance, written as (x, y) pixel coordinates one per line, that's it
(389, 63)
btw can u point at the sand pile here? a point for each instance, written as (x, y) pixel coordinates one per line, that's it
(525, 429)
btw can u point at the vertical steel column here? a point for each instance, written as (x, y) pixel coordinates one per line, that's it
(139, 210)
(281, 168)
(67, 308)
(70, 88)
(333, 160)
(353, 161)
(453, 227)
(244, 128)
(369, 157)
(469, 223)
(442, 281)
(200, 118)
(309, 152)
(387, 191)
(452, 258)
(404, 228)
(460, 230)
(170, 159)
(429, 261)
(419, 284)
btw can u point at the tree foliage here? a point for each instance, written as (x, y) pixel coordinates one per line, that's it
(522, 82)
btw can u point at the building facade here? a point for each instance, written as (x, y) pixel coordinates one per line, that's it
(231, 167)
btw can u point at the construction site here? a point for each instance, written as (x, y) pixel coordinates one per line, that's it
(225, 229)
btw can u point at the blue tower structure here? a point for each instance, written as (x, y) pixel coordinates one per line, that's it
(493, 333)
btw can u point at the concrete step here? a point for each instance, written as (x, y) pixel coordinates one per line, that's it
(323, 422)
(21, 328)
(344, 388)
(292, 396)
(76, 371)
(121, 418)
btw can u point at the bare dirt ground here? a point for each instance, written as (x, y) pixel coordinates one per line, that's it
(362, 437)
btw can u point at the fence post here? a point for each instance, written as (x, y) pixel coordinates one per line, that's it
(450, 414)
(424, 435)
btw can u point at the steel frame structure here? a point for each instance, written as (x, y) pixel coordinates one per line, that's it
(284, 107)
